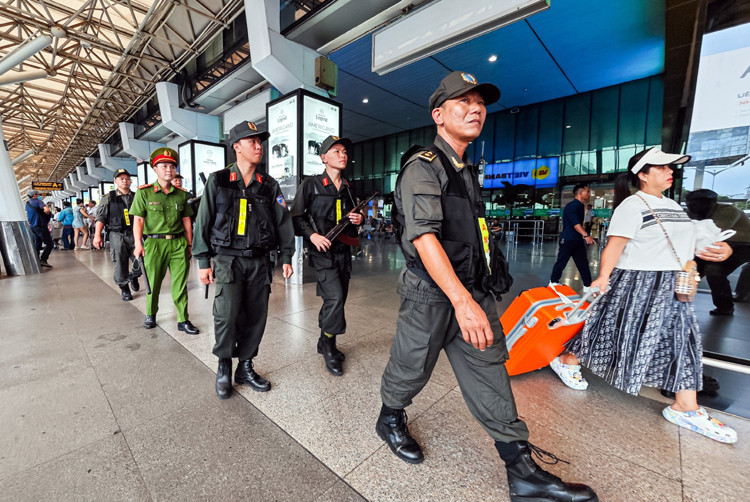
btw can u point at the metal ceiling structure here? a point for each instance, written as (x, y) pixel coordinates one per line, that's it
(103, 64)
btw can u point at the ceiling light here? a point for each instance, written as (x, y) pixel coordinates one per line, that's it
(567, 127)
(365, 100)
(492, 58)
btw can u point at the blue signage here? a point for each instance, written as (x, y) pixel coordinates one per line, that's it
(533, 172)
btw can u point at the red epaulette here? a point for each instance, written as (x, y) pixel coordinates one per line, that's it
(258, 178)
(326, 182)
(145, 186)
(183, 189)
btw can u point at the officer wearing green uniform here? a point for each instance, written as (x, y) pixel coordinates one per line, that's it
(445, 296)
(321, 202)
(242, 218)
(162, 216)
(114, 212)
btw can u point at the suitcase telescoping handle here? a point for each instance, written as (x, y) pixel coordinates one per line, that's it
(577, 315)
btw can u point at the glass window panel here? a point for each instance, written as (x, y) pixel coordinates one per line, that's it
(392, 157)
(607, 161)
(633, 103)
(367, 160)
(655, 111)
(550, 128)
(604, 106)
(576, 132)
(623, 156)
(527, 124)
(378, 164)
(505, 137)
(357, 162)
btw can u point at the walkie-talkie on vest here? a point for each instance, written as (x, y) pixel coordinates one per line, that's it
(335, 232)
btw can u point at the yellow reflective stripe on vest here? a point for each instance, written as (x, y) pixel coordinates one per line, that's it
(485, 241)
(338, 210)
(127, 216)
(243, 217)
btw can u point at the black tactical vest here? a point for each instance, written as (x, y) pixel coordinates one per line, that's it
(259, 233)
(117, 206)
(322, 210)
(460, 235)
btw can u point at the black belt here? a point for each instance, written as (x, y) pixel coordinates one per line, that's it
(165, 236)
(246, 253)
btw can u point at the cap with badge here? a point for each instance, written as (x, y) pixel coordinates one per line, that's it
(246, 130)
(655, 157)
(119, 172)
(328, 143)
(458, 83)
(164, 155)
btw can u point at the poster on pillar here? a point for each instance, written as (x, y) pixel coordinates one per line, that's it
(320, 119)
(281, 118)
(198, 159)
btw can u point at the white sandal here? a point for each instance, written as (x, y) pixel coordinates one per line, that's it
(570, 374)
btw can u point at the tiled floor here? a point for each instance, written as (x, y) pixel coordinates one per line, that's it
(95, 407)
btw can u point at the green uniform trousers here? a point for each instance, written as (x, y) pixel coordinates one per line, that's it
(163, 255)
(422, 331)
(121, 246)
(333, 271)
(240, 305)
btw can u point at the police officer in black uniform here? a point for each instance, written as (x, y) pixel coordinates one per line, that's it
(114, 213)
(322, 201)
(446, 302)
(242, 218)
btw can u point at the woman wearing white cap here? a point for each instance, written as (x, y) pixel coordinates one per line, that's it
(639, 333)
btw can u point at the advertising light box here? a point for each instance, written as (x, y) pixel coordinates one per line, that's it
(320, 120)
(282, 144)
(532, 172)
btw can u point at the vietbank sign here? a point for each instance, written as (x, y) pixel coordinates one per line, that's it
(534, 172)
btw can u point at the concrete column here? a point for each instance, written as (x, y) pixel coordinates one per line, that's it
(136, 147)
(85, 178)
(187, 123)
(16, 243)
(114, 163)
(285, 64)
(76, 183)
(98, 173)
(253, 110)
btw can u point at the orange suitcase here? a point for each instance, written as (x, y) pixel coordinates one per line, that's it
(538, 324)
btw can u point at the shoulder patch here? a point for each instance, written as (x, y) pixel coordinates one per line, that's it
(427, 155)
(145, 186)
(183, 189)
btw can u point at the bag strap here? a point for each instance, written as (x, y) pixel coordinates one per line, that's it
(663, 230)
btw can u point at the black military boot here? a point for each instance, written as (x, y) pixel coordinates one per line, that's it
(529, 482)
(149, 322)
(134, 284)
(125, 293)
(224, 379)
(246, 374)
(327, 347)
(336, 352)
(391, 428)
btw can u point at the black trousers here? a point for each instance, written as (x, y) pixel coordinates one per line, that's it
(576, 249)
(240, 305)
(42, 242)
(717, 274)
(333, 271)
(121, 246)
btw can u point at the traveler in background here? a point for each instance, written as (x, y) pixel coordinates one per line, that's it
(446, 303)
(38, 214)
(80, 225)
(92, 209)
(177, 181)
(639, 333)
(574, 238)
(56, 228)
(588, 219)
(66, 217)
(114, 212)
(701, 204)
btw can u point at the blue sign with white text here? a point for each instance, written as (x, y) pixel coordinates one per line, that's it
(533, 172)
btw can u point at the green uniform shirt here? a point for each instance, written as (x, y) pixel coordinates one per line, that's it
(202, 249)
(163, 212)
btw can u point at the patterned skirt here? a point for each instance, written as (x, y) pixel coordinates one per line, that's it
(639, 334)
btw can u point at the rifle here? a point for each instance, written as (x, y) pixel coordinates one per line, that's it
(335, 232)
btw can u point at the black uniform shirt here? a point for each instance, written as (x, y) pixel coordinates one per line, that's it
(102, 214)
(304, 199)
(418, 198)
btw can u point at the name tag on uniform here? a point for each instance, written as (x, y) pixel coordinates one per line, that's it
(243, 217)
(338, 210)
(127, 217)
(155, 203)
(485, 241)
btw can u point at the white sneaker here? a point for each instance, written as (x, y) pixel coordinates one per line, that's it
(570, 374)
(554, 284)
(699, 421)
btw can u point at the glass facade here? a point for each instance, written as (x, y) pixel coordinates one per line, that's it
(593, 134)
